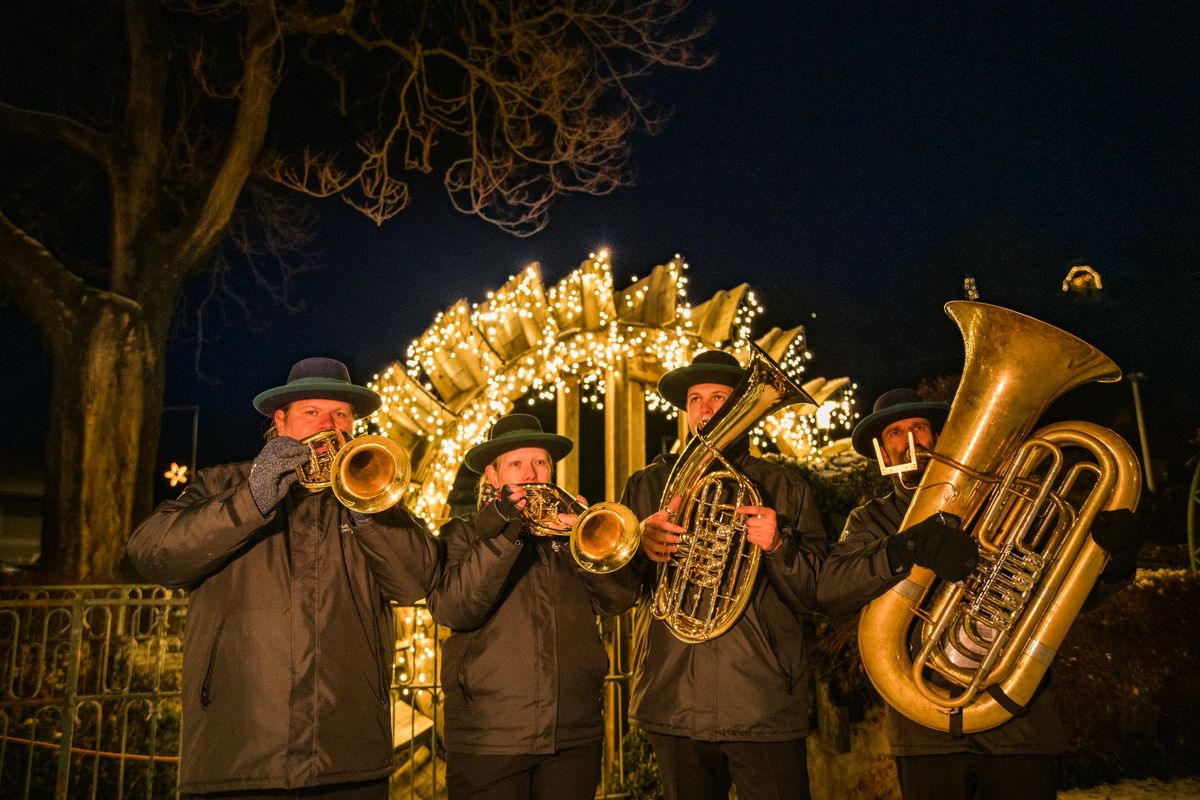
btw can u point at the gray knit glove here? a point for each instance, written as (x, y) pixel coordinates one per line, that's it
(274, 471)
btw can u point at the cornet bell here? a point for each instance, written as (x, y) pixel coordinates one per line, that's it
(370, 474)
(603, 538)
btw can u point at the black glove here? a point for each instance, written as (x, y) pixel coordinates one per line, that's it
(1119, 533)
(936, 543)
(505, 505)
(274, 471)
(511, 512)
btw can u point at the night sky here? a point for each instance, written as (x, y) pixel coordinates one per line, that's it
(852, 164)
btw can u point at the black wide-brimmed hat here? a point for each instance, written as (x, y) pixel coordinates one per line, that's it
(513, 432)
(893, 405)
(711, 366)
(322, 379)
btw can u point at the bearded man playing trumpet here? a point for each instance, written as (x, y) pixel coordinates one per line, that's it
(1019, 759)
(725, 702)
(523, 669)
(290, 634)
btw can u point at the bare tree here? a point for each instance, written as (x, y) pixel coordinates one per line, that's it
(133, 130)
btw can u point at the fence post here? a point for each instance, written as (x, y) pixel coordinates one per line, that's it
(70, 689)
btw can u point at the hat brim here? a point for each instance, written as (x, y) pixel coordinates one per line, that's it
(872, 425)
(675, 384)
(363, 400)
(484, 453)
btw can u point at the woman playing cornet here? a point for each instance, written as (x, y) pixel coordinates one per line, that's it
(523, 668)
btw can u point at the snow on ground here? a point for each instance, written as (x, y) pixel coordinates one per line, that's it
(1145, 789)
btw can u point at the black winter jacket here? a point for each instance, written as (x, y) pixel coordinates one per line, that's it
(523, 669)
(856, 572)
(290, 636)
(752, 682)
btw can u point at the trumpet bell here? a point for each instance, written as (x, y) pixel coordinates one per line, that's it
(370, 474)
(605, 537)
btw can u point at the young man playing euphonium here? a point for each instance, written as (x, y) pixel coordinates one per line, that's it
(733, 708)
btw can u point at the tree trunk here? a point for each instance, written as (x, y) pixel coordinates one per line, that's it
(103, 377)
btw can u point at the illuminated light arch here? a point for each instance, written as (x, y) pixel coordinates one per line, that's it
(580, 341)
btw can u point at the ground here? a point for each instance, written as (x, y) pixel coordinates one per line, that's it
(1146, 789)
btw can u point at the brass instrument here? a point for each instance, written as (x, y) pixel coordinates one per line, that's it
(704, 587)
(604, 536)
(992, 637)
(368, 474)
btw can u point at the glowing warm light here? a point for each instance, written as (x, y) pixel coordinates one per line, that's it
(177, 474)
(527, 341)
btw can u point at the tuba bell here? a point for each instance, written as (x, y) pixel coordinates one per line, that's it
(1030, 503)
(367, 474)
(603, 538)
(703, 588)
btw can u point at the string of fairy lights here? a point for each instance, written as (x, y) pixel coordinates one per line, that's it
(524, 342)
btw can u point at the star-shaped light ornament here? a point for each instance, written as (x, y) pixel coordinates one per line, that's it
(177, 474)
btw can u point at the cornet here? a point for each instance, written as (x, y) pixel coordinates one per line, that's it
(604, 536)
(367, 474)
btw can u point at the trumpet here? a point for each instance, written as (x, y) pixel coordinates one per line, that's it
(603, 538)
(367, 474)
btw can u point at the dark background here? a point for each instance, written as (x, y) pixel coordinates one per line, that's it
(852, 164)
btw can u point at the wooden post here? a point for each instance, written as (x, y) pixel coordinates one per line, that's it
(624, 429)
(624, 452)
(568, 425)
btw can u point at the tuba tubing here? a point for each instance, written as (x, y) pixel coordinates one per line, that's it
(1015, 367)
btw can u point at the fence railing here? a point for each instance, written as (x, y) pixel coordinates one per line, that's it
(90, 705)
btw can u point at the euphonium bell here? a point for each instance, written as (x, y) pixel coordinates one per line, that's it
(604, 536)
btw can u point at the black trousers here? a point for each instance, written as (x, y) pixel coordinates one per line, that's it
(692, 770)
(977, 776)
(570, 774)
(368, 790)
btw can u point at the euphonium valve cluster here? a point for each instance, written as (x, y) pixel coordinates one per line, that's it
(968, 657)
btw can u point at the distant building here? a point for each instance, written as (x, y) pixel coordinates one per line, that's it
(21, 489)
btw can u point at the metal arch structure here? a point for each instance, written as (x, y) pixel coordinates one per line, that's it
(580, 338)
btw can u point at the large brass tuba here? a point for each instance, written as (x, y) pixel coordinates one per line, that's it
(603, 538)
(705, 585)
(993, 636)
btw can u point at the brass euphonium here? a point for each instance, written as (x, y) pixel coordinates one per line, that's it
(704, 587)
(992, 637)
(604, 536)
(368, 473)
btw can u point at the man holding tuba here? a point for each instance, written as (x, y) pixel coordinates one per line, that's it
(523, 669)
(290, 633)
(1019, 759)
(734, 707)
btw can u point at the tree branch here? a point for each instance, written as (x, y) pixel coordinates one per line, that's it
(260, 77)
(40, 284)
(43, 125)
